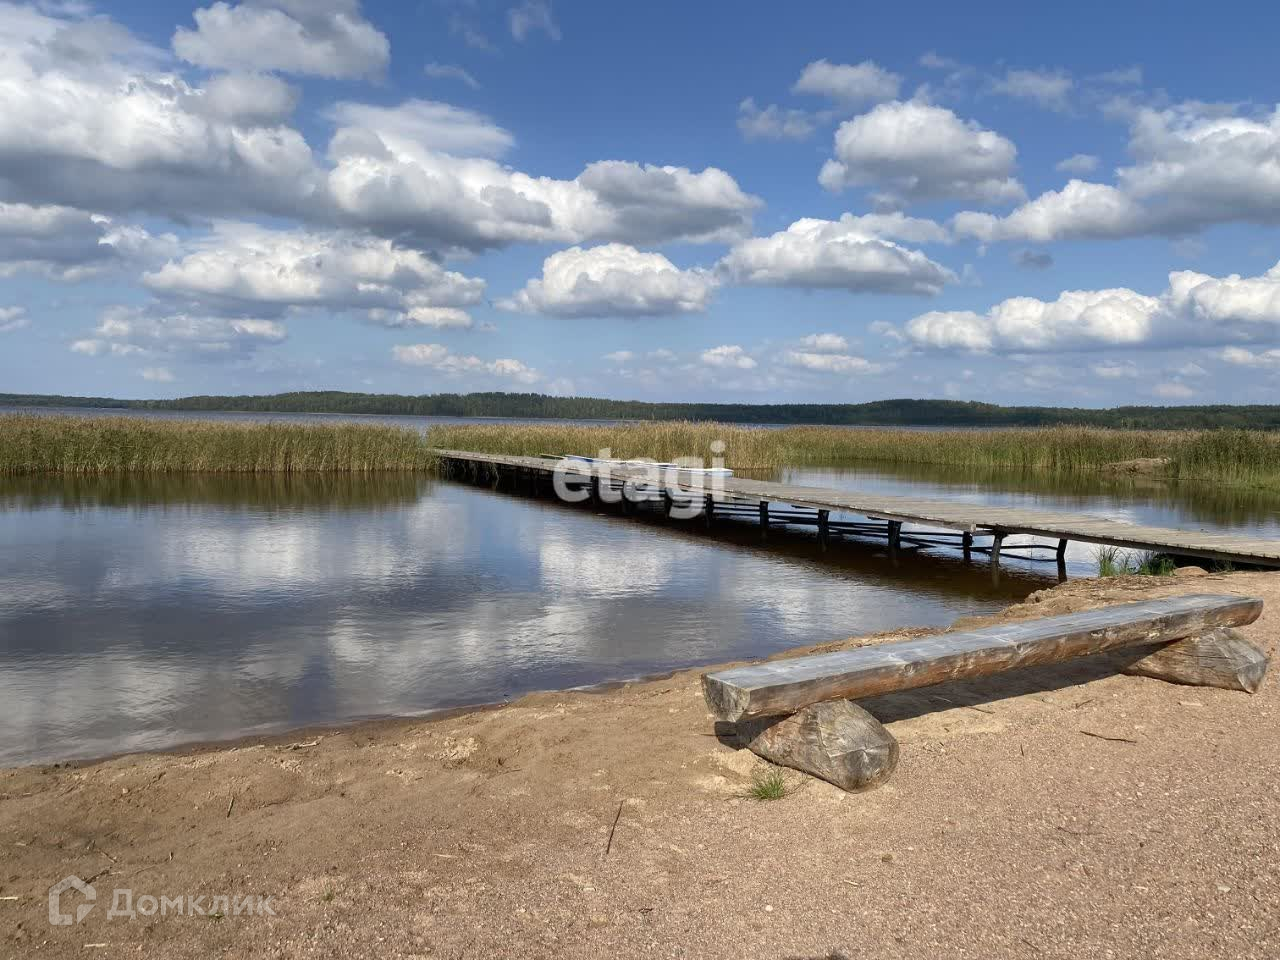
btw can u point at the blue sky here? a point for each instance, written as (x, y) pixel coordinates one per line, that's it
(817, 202)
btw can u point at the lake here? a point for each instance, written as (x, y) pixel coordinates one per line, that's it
(146, 612)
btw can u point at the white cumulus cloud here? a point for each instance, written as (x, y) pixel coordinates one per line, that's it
(1080, 209)
(1194, 309)
(68, 244)
(153, 332)
(247, 99)
(401, 171)
(243, 267)
(1242, 357)
(157, 374)
(841, 254)
(1173, 390)
(531, 17)
(825, 343)
(613, 280)
(918, 151)
(772, 122)
(897, 226)
(88, 120)
(416, 130)
(442, 71)
(1194, 167)
(13, 318)
(1116, 369)
(728, 357)
(325, 38)
(439, 358)
(92, 118)
(1078, 163)
(829, 362)
(1048, 88)
(851, 84)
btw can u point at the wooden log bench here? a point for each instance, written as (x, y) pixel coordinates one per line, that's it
(797, 712)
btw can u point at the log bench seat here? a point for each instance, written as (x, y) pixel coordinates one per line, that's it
(796, 712)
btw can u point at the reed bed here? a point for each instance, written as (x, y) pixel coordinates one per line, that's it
(1232, 456)
(31, 444)
(99, 445)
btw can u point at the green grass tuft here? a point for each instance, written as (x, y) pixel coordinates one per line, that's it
(770, 785)
(1152, 564)
(1112, 562)
(1118, 562)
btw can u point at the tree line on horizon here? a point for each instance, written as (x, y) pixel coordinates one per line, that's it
(898, 412)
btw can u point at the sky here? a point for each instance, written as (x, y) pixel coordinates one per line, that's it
(807, 202)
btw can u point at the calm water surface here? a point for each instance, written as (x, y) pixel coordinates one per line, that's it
(142, 613)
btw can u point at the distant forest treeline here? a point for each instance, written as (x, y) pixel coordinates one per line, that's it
(538, 406)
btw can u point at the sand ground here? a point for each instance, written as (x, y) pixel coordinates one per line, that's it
(615, 825)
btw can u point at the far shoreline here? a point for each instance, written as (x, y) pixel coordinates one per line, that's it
(895, 412)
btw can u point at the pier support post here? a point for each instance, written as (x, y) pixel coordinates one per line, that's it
(667, 503)
(595, 492)
(764, 519)
(895, 535)
(1062, 560)
(824, 528)
(709, 510)
(966, 541)
(997, 542)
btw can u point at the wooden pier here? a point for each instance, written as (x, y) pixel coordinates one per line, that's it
(944, 523)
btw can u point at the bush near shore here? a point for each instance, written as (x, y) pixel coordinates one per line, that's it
(85, 445)
(88, 445)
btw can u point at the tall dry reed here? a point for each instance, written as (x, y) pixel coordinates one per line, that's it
(74, 444)
(87, 445)
(1235, 456)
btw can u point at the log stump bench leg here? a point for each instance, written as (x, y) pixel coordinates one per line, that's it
(836, 741)
(1220, 658)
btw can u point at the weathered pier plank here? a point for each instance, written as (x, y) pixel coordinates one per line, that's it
(785, 686)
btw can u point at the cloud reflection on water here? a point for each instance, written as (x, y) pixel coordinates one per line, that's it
(128, 625)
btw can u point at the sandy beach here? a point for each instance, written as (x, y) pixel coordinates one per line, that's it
(616, 824)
